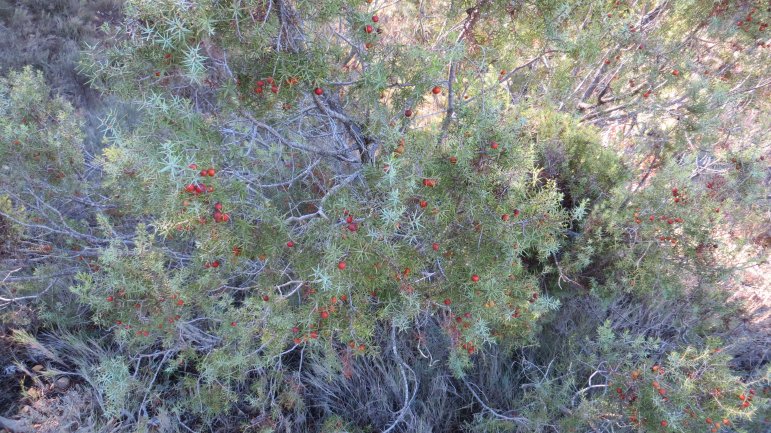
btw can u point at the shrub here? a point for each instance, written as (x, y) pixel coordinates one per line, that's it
(317, 219)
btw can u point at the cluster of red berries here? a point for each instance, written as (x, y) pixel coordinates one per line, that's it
(661, 390)
(369, 29)
(746, 22)
(678, 197)
(352, 345)
(429, 183)
(206, 172)
(469, 346)
(716, 425)
(219, 216)
(261, 84)
(506, 217)
(621, 396)
(352, 225)
(297, 340)
(199, 187)
(746, 399)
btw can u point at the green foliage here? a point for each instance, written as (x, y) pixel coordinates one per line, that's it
(501, 210)
(40, 136)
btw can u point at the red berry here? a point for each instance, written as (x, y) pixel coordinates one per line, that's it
(408, 113)
(215, 264)
(258, 90)
(341, 266)
(204, 173)
(675, 192)
(324, 315)
(318, 91)
(190, 188)
(664, 423)
(423, 203)
(297, 340)
(233, 324)
(505, 217)
(193, 166)
(368, 29)
(265, 298)
(180, 303)
(475, 278)
(353, 227)
(494, 145)
(435, 246)
(218, 206)
(447, 301)
(349, 219)
(110, 299)
(295, 330)
(260, 83)
(274, 89)
(675, 72)
(375, 18)
(290, 244)
(314, 335)
(436, 90)
(211, 172)
(225, 217)
(516, 212)
(619, 390)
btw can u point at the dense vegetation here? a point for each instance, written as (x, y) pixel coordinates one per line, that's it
(370, 216)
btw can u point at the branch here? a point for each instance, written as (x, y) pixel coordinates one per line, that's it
(291, 144)
(14, 426)
(495, 413)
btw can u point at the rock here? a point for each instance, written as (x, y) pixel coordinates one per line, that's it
(62, 383)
